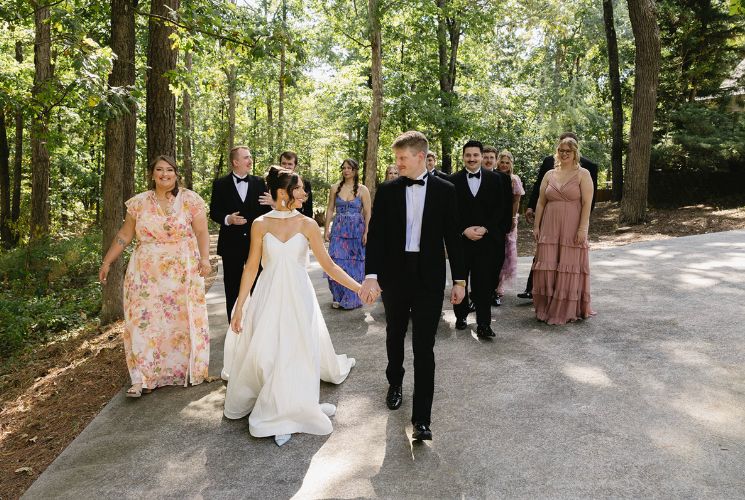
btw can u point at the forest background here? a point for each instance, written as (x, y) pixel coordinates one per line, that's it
(90, 90)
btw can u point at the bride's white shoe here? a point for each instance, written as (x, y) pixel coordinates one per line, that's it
(328, 409)
(352, 363)
(281, 439)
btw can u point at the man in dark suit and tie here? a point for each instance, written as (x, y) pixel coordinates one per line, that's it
(432, 166)
(485, 211)
(234, 205)
(414, 217)
(546, 165)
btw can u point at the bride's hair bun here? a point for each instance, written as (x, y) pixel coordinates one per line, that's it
(281, 178)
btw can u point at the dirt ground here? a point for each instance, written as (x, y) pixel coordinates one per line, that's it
(51, 393)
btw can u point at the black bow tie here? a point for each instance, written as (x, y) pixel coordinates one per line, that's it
(238, 179)
(411, 182)
(477, 175)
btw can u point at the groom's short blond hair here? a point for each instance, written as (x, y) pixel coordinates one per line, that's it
(413, 140)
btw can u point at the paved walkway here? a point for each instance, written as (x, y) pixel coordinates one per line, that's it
(647, 399)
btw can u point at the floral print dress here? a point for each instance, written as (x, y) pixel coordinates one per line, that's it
(166, 331)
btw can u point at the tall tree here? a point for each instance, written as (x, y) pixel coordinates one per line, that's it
(160, 119)
(448, 40)
(186, 142)
(5, 235)
(120, 151)
(616, 156)
(39, 121)
(376, 110)
(15, 205)
(643, 16)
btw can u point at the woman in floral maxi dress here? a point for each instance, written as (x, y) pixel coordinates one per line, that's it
(166, 333)
(348, 235)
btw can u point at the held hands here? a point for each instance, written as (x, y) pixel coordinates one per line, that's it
(369, 291)
(457, 294)
(474, 233)
(327, 236)
(529, 216)
(235, 219)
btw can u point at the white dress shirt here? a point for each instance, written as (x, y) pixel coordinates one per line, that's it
(414, 209)
(241, 187)
(415, 195)
(473, 182)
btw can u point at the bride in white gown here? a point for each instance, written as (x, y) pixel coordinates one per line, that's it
(278, 347)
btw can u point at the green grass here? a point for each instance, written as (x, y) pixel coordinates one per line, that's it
(48, 290)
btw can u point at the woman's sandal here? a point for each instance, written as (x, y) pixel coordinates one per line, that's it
(135, 391)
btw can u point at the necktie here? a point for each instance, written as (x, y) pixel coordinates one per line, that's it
(477, 175)
(238, 179)
(411, 182)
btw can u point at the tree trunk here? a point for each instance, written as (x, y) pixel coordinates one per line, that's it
(232, 74)
(616, 101)
(39, 130)
(186, 164)
(376, 110)
(15, 206)
(120, 153)
(448, 40)
(281, 104)
(5, 235)
(270, 129)
(643, 15)
(160, 117)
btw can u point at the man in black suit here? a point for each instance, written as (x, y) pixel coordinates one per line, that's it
(485, 211)
(546, 165)
(412, 217)
(432, 164)
(234, 205)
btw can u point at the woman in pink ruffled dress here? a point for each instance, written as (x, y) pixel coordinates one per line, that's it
(561, 269)
(505, 163)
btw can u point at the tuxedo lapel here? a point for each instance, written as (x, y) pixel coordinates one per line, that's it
(400, 198)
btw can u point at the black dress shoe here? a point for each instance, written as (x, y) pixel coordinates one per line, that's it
(460, 324)
(421, 432)
(525, 295)
(485, 331)
(394, 398)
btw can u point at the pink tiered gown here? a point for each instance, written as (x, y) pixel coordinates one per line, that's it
(561, 271)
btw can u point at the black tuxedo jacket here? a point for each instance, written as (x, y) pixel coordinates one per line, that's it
(491, 207)
(233, 240)
(386, 237)
(548, 164)
(440, 174)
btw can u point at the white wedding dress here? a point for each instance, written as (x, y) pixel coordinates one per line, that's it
(275, 365)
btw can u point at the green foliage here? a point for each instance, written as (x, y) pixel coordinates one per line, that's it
(48, 288)
(702, 138)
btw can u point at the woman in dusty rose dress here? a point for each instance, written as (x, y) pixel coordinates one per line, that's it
(505, 163)
(166, 333)
(561, 269)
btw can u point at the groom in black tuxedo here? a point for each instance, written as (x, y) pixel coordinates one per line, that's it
(485, 210)
(234, 205)
(412, 217)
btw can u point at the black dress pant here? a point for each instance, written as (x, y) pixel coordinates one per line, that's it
(411, 300)
(483, 261)
(232, 267)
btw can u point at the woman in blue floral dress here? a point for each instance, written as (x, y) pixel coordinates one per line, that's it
(350, 201)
